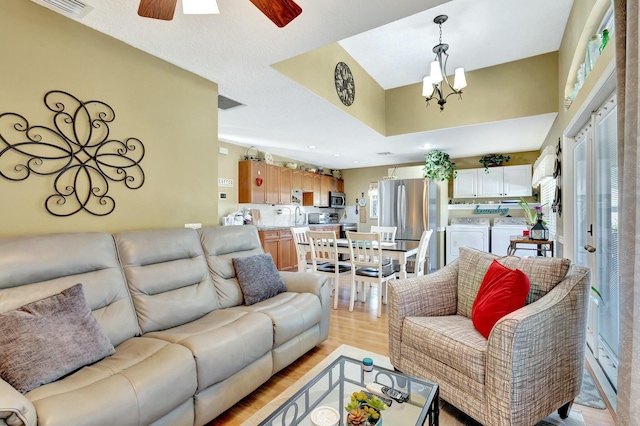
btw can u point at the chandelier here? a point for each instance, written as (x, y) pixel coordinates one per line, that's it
(434, 83)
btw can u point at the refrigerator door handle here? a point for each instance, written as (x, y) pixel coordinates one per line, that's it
(403, 209)
(399, 207)
(425, 204)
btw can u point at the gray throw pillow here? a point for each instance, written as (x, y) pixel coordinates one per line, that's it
(258, 278)
(50, 338)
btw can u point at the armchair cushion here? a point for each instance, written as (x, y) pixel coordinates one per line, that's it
(544, 274)
(503, 290)
(258, 278)
(49, 338)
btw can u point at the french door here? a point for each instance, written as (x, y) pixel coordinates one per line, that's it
(596, 230)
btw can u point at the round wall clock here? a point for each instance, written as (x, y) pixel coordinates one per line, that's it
(362, 202)
(345, 85)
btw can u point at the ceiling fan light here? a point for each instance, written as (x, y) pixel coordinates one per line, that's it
(200, 7)
(436, 74)
(460, 81)
(427, 86)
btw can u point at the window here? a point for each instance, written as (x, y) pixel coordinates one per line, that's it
(373, 200)
(547, 195)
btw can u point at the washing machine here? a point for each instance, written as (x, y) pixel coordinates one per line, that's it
(466, 232)
(502, 230)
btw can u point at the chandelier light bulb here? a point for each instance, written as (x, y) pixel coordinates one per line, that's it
(436, 74)
(460, 81)
(427, 86)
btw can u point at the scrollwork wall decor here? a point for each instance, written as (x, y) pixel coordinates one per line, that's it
(77, 150)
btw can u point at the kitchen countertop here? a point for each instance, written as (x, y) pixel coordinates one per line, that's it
(300, 225)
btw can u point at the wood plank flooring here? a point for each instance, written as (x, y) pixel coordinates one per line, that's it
(360, 328)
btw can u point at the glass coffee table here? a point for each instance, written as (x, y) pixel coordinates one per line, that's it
(334, 385)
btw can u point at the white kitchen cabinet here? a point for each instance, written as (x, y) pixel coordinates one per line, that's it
(465, 185)
(509, 181)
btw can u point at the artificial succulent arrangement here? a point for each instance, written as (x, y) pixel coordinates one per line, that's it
(364, 409)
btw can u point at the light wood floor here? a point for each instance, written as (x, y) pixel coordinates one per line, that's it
(360, 328)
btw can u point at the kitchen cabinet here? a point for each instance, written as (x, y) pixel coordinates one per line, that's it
(280, 244)
(252, 182)
(261, 183)
(327, 184)
(296, 179)
(307, 181)
(316, 190)
(509, 181)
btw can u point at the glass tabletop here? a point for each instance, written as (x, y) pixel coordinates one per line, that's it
(334, 385)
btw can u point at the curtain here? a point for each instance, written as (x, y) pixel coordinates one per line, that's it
(627, 44)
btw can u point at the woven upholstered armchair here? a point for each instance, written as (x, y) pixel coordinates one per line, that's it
(532, 362)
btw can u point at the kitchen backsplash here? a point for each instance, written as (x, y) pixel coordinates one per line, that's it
(284, 215)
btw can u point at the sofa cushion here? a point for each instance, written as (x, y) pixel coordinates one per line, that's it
(544, 274)
(37, 266)
(222, 342)
(49, 338)
(503, 290)
(167, 275)
(451, 340)
(221, 244)
(138, 385)
(291, 314)
(258, 278)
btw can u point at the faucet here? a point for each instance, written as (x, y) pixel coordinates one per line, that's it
(298, 212)
(289, 209)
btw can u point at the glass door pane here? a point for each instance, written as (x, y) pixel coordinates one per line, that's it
(606, 233)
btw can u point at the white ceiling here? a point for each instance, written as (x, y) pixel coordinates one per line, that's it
(392, 40)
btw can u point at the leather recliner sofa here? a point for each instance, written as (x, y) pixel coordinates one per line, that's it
(187, 347)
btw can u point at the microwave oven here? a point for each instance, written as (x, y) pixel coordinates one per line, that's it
(337, 200)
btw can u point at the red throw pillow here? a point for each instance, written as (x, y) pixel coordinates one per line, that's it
(503, 290)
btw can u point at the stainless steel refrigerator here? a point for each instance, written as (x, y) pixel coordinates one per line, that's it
(411, 205)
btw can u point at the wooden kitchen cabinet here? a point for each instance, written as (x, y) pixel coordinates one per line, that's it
(296, 179)
(326, 185)
(280, 245)
(286, 185)
(273, 184)
(317, 190)
(307, 181)
(252, 182)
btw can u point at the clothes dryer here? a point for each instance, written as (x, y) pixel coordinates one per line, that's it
(466, 232)
(502, 230)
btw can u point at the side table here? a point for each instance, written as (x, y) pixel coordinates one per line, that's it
(542, 247)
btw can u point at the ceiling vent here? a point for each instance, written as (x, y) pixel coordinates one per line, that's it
(385, 153)
(72, 8)
(226, 104)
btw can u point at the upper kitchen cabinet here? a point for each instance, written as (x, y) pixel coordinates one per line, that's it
(252, 182)
(509, 181)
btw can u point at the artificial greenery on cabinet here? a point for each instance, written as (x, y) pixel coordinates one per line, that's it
(438, 166)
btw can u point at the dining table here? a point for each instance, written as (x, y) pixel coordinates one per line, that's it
(399, 250)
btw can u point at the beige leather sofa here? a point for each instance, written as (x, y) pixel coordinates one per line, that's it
(187, 348)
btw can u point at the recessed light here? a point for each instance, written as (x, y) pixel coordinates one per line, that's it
(312, 147)
(355, 161)
(336, 155)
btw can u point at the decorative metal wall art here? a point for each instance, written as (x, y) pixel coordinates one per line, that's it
(77, 149)
(556, 206)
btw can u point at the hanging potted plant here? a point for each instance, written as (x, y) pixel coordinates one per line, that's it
(493, 160)
(438, 166)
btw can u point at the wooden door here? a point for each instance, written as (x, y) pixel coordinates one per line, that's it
(273, 184)
(286, 177)
(252, 182)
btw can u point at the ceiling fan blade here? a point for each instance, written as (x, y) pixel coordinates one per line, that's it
(281, 12)
(157, 9)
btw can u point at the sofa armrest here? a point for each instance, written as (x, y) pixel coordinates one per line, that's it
(541, 343)
(428, 295)
(304, 282)
(15, 408)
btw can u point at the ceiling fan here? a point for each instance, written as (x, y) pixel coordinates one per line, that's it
(281, 12)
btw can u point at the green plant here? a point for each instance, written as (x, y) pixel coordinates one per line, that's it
(492, 160)
(438, 166)
(530, 213)
(363, 404)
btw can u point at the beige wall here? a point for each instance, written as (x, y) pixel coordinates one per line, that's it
(512, 90)
(315, 71)
(173, 112)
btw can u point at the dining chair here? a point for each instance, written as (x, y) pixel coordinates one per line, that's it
(388, 235)
(416, 265)
(325, 260)
(300, 237)
(366, 265)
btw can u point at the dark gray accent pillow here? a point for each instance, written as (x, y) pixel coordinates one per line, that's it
(50, 338)
(258, 278)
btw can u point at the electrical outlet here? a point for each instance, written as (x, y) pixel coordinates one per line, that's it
(193, 225)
